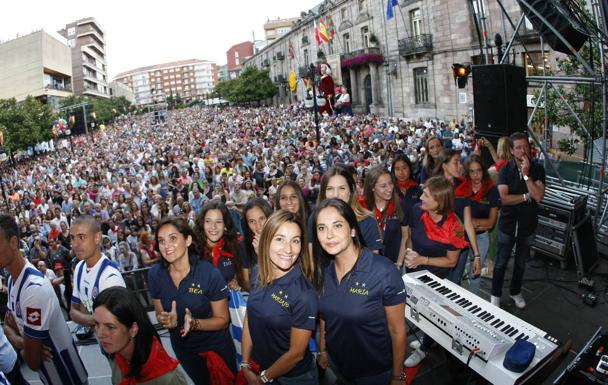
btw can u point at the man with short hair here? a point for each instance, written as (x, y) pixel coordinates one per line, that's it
(521, 185)
(34, 323)
(94, 273)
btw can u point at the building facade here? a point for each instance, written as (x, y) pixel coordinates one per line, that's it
(236, 56)
(118, 89)
(37, 64)
(87, 41)
(401, 66)
(273, 29)
(190, 79)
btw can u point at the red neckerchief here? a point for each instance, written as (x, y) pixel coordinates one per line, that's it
(500, 164)
(465, 189)
(219, 374)
(158, 364)
(451, 232)
(383, 216)
(404, 186)
(217, 253)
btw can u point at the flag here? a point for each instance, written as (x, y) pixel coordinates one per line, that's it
(330, 26)
(317, 34)
(291, 51)
(323, 31)
(389, 8)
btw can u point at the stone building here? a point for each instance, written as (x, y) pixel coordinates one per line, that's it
(401, 66)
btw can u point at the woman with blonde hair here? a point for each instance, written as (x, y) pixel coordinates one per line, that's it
(282, 307)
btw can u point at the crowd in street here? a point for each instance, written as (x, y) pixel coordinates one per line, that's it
(316, 223)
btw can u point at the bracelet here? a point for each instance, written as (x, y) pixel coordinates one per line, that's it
(245, 364)
(194, 325)
(428, 261)
(399, 377)
(477, 257)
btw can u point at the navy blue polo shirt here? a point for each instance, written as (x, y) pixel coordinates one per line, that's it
(227, 268)
(288, 302)
(481, 209)
(410, 198)
(203, 284)
(523, 217)
(425, 246)
(356, 327)
(369, 230)
(460, 203)
(392, 236)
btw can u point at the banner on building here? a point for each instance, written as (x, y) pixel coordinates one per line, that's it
(336, 68)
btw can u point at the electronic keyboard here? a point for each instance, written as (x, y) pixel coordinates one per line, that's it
(471, 328)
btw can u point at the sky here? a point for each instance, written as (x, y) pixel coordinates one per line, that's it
(141, 33)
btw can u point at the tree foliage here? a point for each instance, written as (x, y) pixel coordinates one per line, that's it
(105, 109)
(252, 85)
(26, 123)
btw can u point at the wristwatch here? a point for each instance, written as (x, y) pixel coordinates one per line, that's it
(526, 178)
(263, 377)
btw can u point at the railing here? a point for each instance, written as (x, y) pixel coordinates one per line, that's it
(59, 87)
(416, 45)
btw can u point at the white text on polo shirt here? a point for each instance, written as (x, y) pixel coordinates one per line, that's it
(359, 289)
(280, 301)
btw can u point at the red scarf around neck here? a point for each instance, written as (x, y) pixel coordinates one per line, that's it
(465, 189)
(217, 252)
(158, 364)
(404, 186)
(219, 373)
(383, 216)
(451, 232)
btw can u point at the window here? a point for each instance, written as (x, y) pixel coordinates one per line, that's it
(346, 40)
(365, 37)
(421, 89)
(71, 31)
(343, 14)
(236, 58)
(535, 62)
(362, 5)
(71, 43)
(416, 22)
(306, 58)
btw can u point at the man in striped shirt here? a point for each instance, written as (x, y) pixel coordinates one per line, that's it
(34, 323)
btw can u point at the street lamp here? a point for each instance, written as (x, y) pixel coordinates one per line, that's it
(312, 75)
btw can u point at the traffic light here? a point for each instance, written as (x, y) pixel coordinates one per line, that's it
(461, 73)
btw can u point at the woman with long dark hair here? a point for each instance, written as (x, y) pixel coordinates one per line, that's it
(361, 305)
(282, 307)
(381, 197)
(291, 198)
(127, 335)
(255, 214)
(432, 149)
(219, 242)
(339, 182)
(408, 189)
(485, 200)
(191, 300)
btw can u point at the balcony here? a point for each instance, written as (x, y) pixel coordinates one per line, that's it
(58, 87)
(416, 45)
(361, 57)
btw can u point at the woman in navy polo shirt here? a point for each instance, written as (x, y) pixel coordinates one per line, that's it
(432, 149)
(255, 215)
(437, 238)
(381, 197)
(282, 307)
(449, 165)
(191, 300)
(362, 303)
(218, 235)
(408, 189)
(291, 198)
(483, 194)
(339, 182)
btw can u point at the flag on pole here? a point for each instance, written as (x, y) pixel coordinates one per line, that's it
(291, 51)
(330, 26)
(389, 8)
(317, 34)
(323, 31)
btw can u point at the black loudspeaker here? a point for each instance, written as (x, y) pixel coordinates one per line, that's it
(78, 126)
(499, 93)
(560, 16)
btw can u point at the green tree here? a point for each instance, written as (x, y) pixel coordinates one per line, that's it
(252, 85)
(26, 123)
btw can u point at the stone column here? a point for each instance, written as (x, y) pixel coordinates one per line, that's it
(373, 73)
(354, 90)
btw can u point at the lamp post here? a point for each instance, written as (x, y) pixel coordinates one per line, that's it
(312, 75)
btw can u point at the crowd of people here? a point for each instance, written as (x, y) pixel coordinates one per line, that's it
(246, 200)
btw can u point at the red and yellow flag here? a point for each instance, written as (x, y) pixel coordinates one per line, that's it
(323, 31)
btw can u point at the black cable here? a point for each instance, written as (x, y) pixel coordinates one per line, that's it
(473, 352)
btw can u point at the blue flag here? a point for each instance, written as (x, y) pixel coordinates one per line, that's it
(389, 8)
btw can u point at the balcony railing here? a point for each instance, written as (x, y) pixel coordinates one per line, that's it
(59, 87)
(416, 45)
